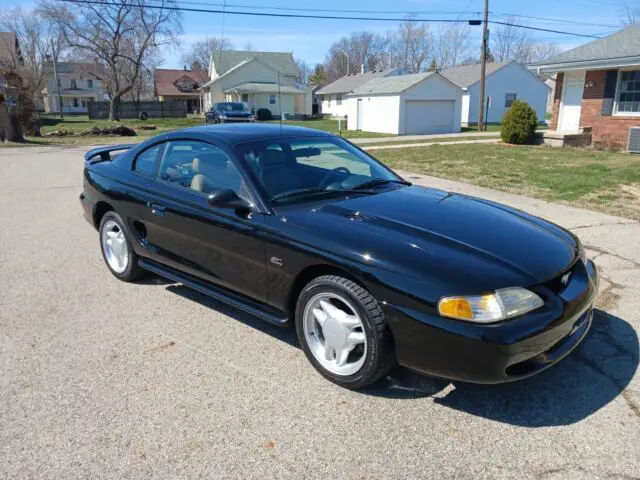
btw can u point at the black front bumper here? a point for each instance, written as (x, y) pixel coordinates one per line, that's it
(500, 352)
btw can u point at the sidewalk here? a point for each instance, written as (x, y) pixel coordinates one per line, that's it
(414, 138)
(428, 144)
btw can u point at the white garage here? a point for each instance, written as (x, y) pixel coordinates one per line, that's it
(417, 104)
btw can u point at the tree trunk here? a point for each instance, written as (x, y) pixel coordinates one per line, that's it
(114, 104)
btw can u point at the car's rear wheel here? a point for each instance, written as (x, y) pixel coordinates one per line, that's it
(343, 332)
(117, 250)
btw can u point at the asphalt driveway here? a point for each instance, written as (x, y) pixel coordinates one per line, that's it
(102, 379)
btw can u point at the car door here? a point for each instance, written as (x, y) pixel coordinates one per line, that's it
(219, 245)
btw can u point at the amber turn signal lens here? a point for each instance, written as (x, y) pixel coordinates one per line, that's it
(456, 308)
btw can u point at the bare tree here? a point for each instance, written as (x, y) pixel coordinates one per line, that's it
(509, 42)
(305, 71)
(631, 16)
(199, 55)
(351, 52)
(119, 34)
(249, 47)
(34, 35)
(413, 46)
(453, 45)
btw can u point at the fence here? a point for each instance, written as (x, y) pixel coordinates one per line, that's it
(152, 108)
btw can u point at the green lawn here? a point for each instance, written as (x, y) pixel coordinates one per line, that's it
(80, 123)
(332, 126)
(599, 180)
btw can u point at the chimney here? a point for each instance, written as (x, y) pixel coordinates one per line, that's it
(362, 68)
(185, 68)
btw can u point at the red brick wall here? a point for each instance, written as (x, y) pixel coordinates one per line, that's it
(556, 101)
(607, 130)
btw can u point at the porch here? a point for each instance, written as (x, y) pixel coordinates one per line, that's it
(282, 99)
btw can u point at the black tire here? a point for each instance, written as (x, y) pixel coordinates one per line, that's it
(143, 116)
(380, 357)
(133, 271)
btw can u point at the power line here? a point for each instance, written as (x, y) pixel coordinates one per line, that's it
(397, 12)
(320, 17)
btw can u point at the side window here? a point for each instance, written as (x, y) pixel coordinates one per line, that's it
(272, 99)
(509, 98)
(201, 167)
(146, 161)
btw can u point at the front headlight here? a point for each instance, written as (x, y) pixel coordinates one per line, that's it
(222, 115)
(504, 303)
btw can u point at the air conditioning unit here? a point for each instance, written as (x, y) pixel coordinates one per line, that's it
(633, 142)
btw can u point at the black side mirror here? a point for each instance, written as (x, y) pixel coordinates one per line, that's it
(226, 198)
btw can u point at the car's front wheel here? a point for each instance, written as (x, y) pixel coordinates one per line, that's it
(343, 332)
(117, 250)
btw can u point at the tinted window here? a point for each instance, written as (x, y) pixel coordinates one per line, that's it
(230, 107)
(146, 161)
(201, 167)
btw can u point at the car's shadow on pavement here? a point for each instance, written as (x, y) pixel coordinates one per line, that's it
(593, 375)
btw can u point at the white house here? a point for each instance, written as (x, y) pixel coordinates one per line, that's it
(78, 84)
(420, 103)
(259, 80)
(332, 95)
(505, 82)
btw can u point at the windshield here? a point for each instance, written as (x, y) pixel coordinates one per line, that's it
(291, 169)
(230, 107)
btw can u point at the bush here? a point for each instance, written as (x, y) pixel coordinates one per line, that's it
(519, 124)
(264, 114)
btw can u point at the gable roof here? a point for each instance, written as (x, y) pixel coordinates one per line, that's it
(166, 81)
(466, 75)
(283, 62)
(389, 85)
(348, 83)
(621, 44)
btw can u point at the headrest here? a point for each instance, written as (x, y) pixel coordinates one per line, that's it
(209, 161)
(272, 158)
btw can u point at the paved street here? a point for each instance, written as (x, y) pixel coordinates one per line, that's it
(103, 379)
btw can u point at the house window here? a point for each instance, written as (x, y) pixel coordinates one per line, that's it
(89, 83)
(84, 102)
(628, 98)
(75, 102)
(73, 83)
(509, 98)
(272, 99)
(245, 98)
(339, 99)
(59, 82)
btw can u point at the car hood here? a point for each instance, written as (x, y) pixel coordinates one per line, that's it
(428, 233)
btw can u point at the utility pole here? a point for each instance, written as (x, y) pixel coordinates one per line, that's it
(55, 74)
(483, 64)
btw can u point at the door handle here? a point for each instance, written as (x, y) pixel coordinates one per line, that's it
(158, 210)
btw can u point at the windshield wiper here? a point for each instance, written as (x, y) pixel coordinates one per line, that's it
(379, 181)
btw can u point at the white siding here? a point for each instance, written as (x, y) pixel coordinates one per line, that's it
(330, 105)
(512, 78)
(379, 113)
(256, 72)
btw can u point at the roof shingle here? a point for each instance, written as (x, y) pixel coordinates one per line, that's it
(466, 75)
(395, 84)
(280, 61)
(167, 81)
(623, 43)
(348, 83)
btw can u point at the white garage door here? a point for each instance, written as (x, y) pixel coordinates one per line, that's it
(428, 116)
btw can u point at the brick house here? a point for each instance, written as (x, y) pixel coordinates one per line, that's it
(597, 89)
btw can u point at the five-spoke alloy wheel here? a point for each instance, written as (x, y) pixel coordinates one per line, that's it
(343, 332)
(117, 250)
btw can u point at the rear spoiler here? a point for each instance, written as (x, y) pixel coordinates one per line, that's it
(104, 153)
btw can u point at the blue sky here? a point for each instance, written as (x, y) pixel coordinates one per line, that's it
(310, 39)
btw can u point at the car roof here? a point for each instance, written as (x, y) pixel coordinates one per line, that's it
(234, 134)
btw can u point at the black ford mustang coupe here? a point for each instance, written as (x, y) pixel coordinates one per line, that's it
(301, 227)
